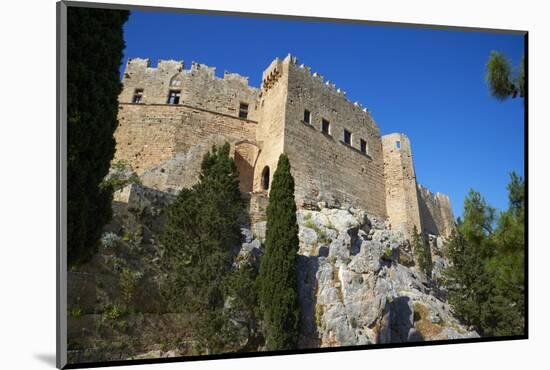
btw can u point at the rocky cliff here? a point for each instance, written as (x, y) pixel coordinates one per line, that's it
(357, 285)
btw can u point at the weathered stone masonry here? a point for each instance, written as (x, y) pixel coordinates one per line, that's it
(170, 116)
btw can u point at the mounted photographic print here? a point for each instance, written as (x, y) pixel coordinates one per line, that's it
(235, 185)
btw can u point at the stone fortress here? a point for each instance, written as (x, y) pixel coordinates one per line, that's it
(170, 116)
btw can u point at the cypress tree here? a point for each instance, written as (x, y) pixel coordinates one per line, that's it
(422, 252)
(94, 53)
(201, 231)
(277, 279)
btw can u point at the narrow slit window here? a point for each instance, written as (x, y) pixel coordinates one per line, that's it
(364, 148)
(243, 110)
(325, 127)
(138, 95)
(174, 97)
(398, 144)
(265, 178)
(307, 116)
(347, 137)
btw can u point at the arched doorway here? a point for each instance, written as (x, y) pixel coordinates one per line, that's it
(265, 178)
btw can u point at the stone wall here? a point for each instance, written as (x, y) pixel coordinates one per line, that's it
(436, 212)
(149, 135)
(401, 194)
(324, 166)
(256, 205)
(199, 87)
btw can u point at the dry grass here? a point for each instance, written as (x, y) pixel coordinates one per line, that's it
(425, 327)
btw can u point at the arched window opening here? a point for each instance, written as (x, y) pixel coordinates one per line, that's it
(265, 178)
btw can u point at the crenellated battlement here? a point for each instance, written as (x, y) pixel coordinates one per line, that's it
(143, 66)
(436, 196)
(436, 212)
(198, 86)
(231, 76)
(327, 85)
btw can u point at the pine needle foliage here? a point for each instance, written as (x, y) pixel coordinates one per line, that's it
(503, 82)
(200, 237)
(487, 274)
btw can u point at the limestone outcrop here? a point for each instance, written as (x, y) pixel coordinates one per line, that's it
(358, 285)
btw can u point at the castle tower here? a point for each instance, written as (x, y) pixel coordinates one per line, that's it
(333, 144)
(401, 188)
(271, 122)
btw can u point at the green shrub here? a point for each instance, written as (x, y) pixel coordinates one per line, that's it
(112, 312)
(127, 283)
(75, 312)
(110, 240)
(321, 234)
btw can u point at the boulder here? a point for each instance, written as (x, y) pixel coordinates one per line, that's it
(307, 236)
(340, 248)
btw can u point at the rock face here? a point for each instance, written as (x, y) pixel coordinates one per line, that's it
(182, 170)
(357, 285)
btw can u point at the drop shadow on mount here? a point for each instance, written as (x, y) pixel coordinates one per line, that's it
(46, 358)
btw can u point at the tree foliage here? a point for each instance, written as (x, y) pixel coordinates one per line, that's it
(94, 52)
(201, 236)
(502, 80)
(422, 252)
(278, 279)
(486, 277)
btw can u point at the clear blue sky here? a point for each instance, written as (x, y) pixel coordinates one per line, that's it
(428, 84)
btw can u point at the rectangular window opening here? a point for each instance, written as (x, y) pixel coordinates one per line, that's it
(243, 110)
(364, 148)
(398, 144)
(174, 97)
(307, 116)
(347, 137)
(325, 127)
(138, 95)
